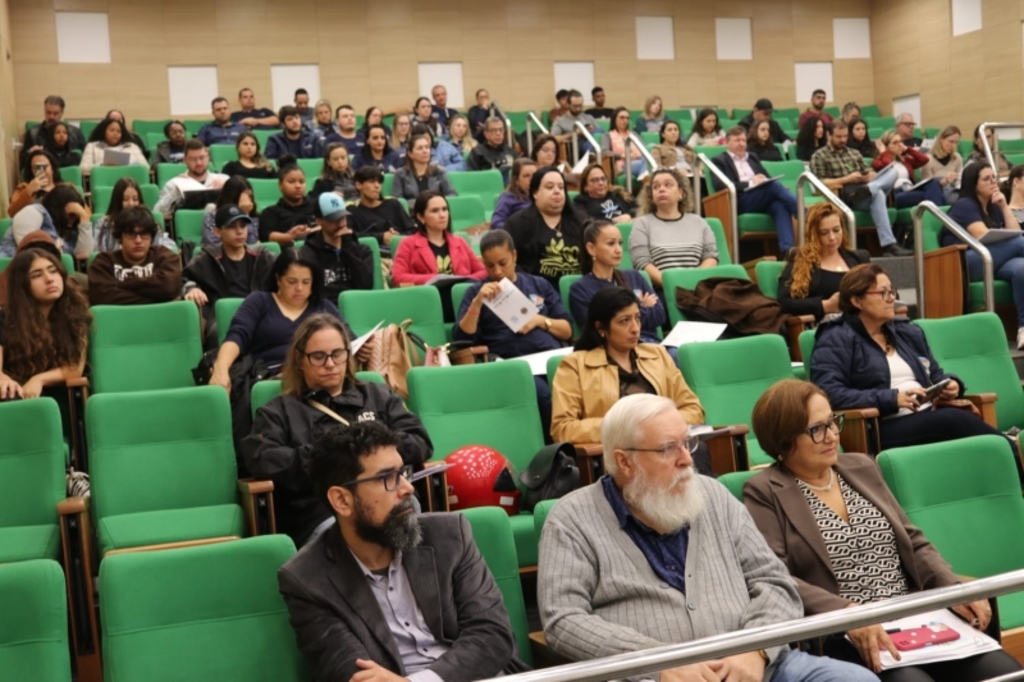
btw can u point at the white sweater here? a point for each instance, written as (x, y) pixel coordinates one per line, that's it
(93, 155)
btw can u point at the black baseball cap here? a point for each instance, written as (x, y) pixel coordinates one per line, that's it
(229, 214)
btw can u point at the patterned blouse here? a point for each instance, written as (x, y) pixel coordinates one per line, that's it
(863, 552)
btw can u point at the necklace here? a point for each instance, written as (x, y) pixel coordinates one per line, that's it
(822, 488)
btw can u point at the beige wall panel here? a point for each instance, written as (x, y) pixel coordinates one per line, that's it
(81, 5)
(89, 86)
(35, 36)
(33, 83)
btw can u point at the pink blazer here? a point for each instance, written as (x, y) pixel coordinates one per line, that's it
(415, 263)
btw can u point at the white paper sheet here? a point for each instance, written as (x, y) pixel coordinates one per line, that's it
(971, 643)
(512, 306)
(999, 235)
(539, 361)
(693, 332)
(359, 342)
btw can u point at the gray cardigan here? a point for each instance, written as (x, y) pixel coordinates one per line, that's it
(599, 596)
(406, 186)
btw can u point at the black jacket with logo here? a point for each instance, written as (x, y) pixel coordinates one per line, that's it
(350, 267)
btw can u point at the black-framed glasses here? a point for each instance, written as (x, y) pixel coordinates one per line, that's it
(392, 479)
(817, 432)
(886, 294)
(672, 448)
(318, 358)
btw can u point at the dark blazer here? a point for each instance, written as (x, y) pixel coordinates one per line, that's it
(783, 516)
(811, 303)
(728, 166)
(337, 619)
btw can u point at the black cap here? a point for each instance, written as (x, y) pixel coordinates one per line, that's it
(763, 104)
(228, 214)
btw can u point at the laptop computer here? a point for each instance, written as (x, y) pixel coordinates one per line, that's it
(114, 157)
(198, 199)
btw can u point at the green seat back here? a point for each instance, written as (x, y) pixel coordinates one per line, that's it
(387, 185)
(144, 347)
(266, 193)
(222, 154)
(193, 126)
(458, 293)
(34, 622)
(734, 482)
(166, 171)
(688, 278)
(268, 389)
(72, 174)
(224, 311)
(789, 170)
(311, 167)
(188, 225)
(153, 140)
(964, 495)
(466, 211)
(373, 245)
(211, 612)
(142, 127)
(364, 309)
(492, 532)
(540, 514)
(724, 256)
(931, 232)
(1011, 145)
(263, 135)
(806, 342)
(974, 348)
(870, 110)
(625, 229)
(768, 272)
(729, 376)
(518, 120)
(711, 151)
(486, 184)
(106, 176)
(564, 284)
(678, 115)
(5, 224)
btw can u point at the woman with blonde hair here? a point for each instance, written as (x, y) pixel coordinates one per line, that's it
(401, 133)
(945, 163)
(460, 135)
(905, 193)
(653, 116)
(809, 285)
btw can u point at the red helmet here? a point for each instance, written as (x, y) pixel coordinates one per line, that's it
(481, 477)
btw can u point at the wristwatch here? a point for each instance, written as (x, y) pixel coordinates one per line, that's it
(547, 323)
(764, 657)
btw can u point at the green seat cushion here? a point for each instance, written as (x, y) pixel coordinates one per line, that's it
(172, 525)
(1004, 295)
(756, 222)
(755, 454)
(33, 622)
(864, 218)
(23, 543)
(1011, 610)
(526, 539)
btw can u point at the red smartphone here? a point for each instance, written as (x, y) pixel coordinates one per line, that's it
(918, 638)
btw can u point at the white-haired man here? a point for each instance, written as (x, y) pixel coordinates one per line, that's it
(653, 554)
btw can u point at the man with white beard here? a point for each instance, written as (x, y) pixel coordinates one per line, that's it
(654, 554)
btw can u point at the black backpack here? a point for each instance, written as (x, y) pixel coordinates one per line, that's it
(552, 473)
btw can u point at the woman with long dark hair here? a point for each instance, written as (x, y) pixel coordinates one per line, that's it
(292, 217)
(110, 134)
(337, 174)
(376, 151)
(811, 138)
(62, 215)
(59, 144)
(516, 196)
(433, 250)
(251, 162)
(40, 175)
(707, 131)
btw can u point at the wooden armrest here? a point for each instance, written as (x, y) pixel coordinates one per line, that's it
(258, 506)
(77, 553)
(937, 253)
(589, 449)
(433, 490)
(590, 461)
(986, 404)
(795, 325)
(982, 398)
(248, 486)
(77, 382)
(800, 321)
(543, 655)
(861, 413)
(728, 449)
(73, 505)
(861, 431)
(479, 350)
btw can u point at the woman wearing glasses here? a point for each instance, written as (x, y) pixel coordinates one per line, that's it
(868, 358)
(319, 391)
(609, 363)
(843, 536)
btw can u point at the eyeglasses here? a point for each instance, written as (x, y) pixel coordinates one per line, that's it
(138, 235)
(672, 448)
(392, 479)
(817, 432)
(907, 123)
(886, 294)
(318, 358)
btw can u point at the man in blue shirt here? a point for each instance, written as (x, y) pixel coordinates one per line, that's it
(305, 111)
(346, 134)
(222, 130)
(250, 116)
(294, 139)
(440, 107)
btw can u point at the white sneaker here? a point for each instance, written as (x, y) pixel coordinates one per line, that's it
(1020, 338)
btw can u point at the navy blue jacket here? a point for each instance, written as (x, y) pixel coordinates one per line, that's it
(583, 290)
(307, 146)
(853, 370)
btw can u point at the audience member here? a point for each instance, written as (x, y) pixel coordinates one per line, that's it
(755, 191)
(400, 138)
(763, 111)
(291, 218)
(671, 151)
(323, 124)
(565, 126)
(442, 152)
(612, 576)
(440, 109)
(376, 216)
(223, 129)
(39, 136)
(851, 110)
(545, 152)
(126, 194)
(250, 116)
(294, 139)
(562, 99)
(129, 136)
(599, 261)
(459, 135)
(374, 116)
(301, 101)
(653, 116)
(236, 192)
(196, 178)
(171, 150)
(813, 498)
(516, 196)
(479, 113)
(811, 137)
(109, 135)
(376, 151)
(337, 174)
(843, 170)
(977, 155)
(613, 144)
(60, 146)
(945, 163)
(40, 175)
(809, 284)
(667, 233)
(905, 126)
(599, 199)
(39, 240)
(433, 250)
(906, 160)
(707, 131)
(419, 174)
(62, 215)
(982, 207)
(423, 112)
(867, 357)
(344, 263)
(138, 273)
(493, 152)
(452, 627)
(251, 164)
(44, 325)
(860, 140)
(759, 142)
(817, 108)
(548, 235)
(346, 133)
(599, 111)
(1013, 190)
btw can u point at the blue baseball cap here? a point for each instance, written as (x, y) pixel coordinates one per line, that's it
(330, 207)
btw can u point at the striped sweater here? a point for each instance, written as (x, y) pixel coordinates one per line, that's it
(599, 596)
(681, 243)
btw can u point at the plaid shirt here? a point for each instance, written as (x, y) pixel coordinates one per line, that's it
(829, 163)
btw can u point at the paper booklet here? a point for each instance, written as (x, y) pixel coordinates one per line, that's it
(764, 182)
(512, 306)
(999, 235)
(447, 280)
(359, 342)
(693, 332)
(539, 361)
(970, 642)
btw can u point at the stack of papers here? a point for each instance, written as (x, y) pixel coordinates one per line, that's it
(971, 642)
(512, 306)
(359, 342)
(693, 332)
(539, 361)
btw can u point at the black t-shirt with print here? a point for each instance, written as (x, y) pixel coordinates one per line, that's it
(443, 257)
(239, 275)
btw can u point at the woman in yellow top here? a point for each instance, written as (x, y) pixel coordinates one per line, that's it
(610, 363)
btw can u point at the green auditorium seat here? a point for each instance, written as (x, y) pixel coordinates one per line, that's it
(153, 140)
(688, 278)
(193, 126)
(458, 293)
(540, 514)
(221, 154)
(275, 248)
(34, 622)
(188, 225)
(5, 224)
(166, 171)
(268, 389)
(364, 309)
(492, 404)
(467, 211)
(312, 168)
(373, 245)
(107, 176)
(73, 174)
(224, 311)
(965, 497)
(492, 533)
(266, 193)
(142, 128)
(487, 185)
(101, 197)
(263, 135)
(768, 272)
(211, 612)
(387, 185)
(734, 482)
(144, 347)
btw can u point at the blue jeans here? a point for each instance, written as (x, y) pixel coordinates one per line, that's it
(1008, 265)
(638, 166)
(880, 188)
(799, 666)
(929, 191)
(775, 199)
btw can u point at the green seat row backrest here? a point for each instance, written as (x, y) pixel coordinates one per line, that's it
(34, 622)
(688, 278)
(364, 309)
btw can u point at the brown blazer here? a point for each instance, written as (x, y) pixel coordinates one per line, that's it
(784, 518)
(586, 386)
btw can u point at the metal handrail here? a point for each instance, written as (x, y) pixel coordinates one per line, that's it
(532, 120)
(508, 124)
(580, 128)
(851, 219)
(984, 140)
(627, 143)
(961, 234)
(638, 663)
(734, 210)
